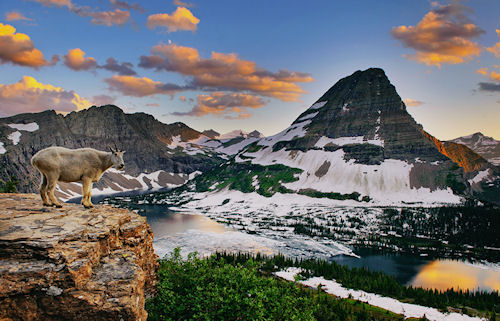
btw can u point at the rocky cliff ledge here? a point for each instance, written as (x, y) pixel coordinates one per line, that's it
(72, 263)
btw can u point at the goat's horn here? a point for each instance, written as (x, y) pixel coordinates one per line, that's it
(111, 149)
(116, 147)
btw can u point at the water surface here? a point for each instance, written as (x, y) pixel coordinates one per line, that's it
(195, 232)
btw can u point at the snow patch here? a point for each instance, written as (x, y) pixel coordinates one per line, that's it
(318, 105)
(308, 116)
(296, 130)
(31, 127)
(15, 137)
(479, 177)
(2, 149)
(341, 141)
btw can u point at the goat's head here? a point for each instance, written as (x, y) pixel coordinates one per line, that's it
(117, 158)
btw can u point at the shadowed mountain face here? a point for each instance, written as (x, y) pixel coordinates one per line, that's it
(366, 104)
(144, 139)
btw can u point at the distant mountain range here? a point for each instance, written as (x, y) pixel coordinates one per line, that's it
(358, 142)
(158, 155)
(485, 146)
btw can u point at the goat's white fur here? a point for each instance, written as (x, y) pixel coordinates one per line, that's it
(72, 165)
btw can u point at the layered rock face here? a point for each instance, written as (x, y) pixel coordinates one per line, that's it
(71, 263)
(144, 138)
(366, 104)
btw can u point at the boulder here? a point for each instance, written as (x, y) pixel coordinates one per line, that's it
(72, 263)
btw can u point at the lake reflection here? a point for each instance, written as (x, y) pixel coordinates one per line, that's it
(165, 222)
(418, 271)
(443, 274)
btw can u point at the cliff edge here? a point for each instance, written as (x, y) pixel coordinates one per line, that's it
(72, 263)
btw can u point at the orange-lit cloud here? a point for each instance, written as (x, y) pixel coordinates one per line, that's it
(140, 87)
(412, 102)
(220, 103)
(29, 95)
(17, 48)
(181, 19)
(14, 16)
(180, 3)
(225, 71)
(76, 60)
(496, 48)
(443, 36)
(493, 75)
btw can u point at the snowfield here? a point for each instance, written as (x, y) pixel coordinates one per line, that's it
(387, 303)
(387, 183)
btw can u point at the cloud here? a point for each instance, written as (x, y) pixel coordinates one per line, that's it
(124, 68)
(181, 19)
(153, 105)
(101, 100)
(493, 75)
(220, 103)
(29, 95)
(180, 3)
(125, 5)
(75, 59)
(17, 48)
(225, 72)
(496, 48)
(58, 3)
(141, 87)
(14, 16)
(107, 18)
(489, 86)
(443, 36)
(413, 103)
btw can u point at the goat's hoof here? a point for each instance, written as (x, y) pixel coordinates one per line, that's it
(88, 206)
(47, 204)
(58, 205)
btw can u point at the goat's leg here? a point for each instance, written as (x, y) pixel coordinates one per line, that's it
(43, 191)
(51, 186)
(86, 189)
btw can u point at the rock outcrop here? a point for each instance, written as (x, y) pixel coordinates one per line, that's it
(71, 263)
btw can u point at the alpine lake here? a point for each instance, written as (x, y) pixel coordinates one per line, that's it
(193, 232)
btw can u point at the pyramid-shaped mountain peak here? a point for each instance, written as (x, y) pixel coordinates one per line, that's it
(365, 108)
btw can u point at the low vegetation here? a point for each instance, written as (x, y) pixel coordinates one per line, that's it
(242, 287)
(222, 287)
(247, 178)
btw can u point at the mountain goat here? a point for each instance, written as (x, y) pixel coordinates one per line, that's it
(73, 165)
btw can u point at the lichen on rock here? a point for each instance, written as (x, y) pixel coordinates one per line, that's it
(71, 263)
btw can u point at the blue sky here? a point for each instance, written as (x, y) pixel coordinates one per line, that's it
(316, 43)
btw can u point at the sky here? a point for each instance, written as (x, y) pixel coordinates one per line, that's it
(248, 65)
